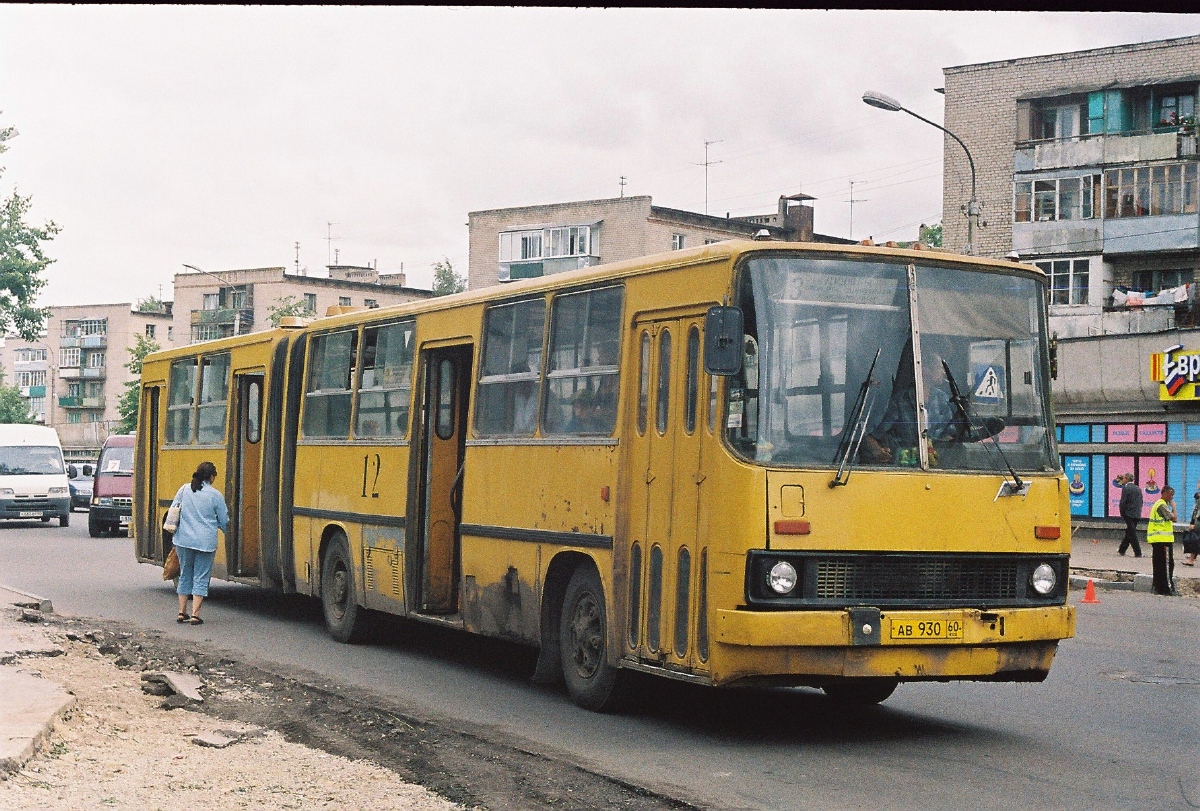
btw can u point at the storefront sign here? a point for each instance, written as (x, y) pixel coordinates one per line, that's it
(1177, 371)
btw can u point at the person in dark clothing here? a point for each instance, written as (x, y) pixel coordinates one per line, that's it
(1131, 511)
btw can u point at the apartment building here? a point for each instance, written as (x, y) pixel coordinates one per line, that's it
(73, 378)
(528, 241)
(235, 302)
(1087, 167)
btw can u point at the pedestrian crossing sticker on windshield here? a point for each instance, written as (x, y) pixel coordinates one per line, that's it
(991, 384)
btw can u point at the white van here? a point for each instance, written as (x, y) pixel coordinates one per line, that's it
(33, 478)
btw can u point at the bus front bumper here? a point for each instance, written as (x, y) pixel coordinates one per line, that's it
(786, 646)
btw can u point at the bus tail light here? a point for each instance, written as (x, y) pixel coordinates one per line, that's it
(792, 527)
(1047, 533)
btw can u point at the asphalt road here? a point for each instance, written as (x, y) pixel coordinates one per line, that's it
(1116, 725)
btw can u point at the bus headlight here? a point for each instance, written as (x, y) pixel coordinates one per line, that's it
(782, 577)
(1043, 579)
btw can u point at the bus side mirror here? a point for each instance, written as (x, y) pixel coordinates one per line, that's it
(72, 472)
(723, 337)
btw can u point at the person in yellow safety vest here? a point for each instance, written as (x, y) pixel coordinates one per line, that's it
(1160, 534)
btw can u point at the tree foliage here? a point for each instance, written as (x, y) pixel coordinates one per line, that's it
(22, 260)
(150, 304)
(287, 307)
(130, 402)
(445, 280)
(930, 234)
(13, 407)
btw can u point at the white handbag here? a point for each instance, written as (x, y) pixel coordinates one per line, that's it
(171, 522)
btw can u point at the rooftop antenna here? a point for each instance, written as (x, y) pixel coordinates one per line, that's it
(297, 258)
(707, 163)
(622, 185)
(329, 238)
(852, 201)
(336, 251)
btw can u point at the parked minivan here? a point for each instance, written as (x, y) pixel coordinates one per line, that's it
(33, 478)
(112, 487)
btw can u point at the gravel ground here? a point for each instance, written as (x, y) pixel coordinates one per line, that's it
(118, 748)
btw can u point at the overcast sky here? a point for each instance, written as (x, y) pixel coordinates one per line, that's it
(220, 137)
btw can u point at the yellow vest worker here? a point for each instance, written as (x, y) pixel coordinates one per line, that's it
(1160, 532)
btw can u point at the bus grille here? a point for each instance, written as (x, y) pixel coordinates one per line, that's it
(918, 579)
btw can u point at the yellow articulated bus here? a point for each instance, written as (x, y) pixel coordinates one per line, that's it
(748, 463)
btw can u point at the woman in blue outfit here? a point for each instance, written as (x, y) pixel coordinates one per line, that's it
(202, 512)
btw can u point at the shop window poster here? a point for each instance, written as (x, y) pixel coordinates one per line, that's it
(1152, 432)
(1117, 466)
(1151, 476)
(1122, 433)
(1079, 474)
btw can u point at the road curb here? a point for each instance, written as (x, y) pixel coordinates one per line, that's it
(22, 599)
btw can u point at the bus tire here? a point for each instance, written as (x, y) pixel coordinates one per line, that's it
(64, 520)
(94, 528)
(345, 619)
(592, 681)
(862, 692)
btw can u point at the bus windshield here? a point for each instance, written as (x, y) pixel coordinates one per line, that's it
(816, 328)
(19, 460)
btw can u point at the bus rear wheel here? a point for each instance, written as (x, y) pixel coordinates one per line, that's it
(592, 681)
(861, 692)
(345, 619)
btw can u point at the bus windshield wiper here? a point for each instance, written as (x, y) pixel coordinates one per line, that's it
(984, 431)
(860, 415)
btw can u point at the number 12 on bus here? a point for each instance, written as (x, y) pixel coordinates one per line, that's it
(747, 463)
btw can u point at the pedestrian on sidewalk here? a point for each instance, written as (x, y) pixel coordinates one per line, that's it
(1191, 540)
(1131, 511)
(1160, 534)
(202, 511)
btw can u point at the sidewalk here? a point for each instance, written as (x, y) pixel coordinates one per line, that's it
(1094, 554)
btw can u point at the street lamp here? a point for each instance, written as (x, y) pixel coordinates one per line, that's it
(885, 102)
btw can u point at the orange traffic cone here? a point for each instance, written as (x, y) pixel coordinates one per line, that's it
(1089, 594)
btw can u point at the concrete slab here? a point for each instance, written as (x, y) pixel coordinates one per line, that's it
(31, 707)
(18, 641)
(11, 596)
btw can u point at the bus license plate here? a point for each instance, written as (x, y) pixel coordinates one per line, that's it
(933, 628)
(28, 514)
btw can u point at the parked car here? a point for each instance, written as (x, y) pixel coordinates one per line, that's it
(80, 485)
(112, 487)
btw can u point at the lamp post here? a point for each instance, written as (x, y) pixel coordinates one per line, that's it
(884, 102)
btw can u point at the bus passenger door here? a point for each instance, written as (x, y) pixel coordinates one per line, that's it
(663, 495)
(149, 528)
(447, 376)
(242, 545)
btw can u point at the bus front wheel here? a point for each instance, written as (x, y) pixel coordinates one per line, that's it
(861, 692)
(592, 681)
(344, 618)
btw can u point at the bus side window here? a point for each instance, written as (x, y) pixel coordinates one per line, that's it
(181, 396)
(585, 337)
(214, 399)
(643, 383)
(327, 395)
(385, 381)
(507, 404)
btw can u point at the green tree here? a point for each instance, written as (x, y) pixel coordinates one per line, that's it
(131, 399)
(22, 260)
(13, 407)
(445, 280)
(287, 307)
(150, 304)
(930, 234)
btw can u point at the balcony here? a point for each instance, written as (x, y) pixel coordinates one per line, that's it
(1103, 149)
(81, 402)
(77, 373)
(242, 316)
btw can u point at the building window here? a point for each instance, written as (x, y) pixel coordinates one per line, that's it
(343, 301)
(170, 334)
(370, 303)
(567, 241)
(520, 246)
(1174, 109)
(1156, 280)
(710, 241)
(37, 406)
(212, 301)
(1066, 198)
(310, 303)
(1068, 280)
(677, 242)
(74, 417)
(34, 378)
(522, 251)
(69, 358)
(95, 360)
(1146, 191)
(150, 331)
(30, 355)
